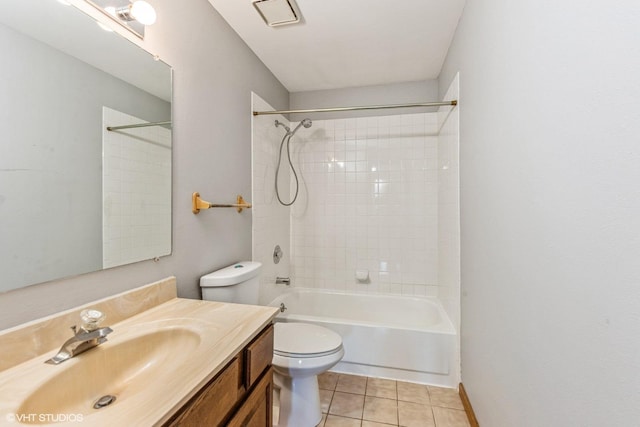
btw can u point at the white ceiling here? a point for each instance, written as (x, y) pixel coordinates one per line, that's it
(347, 43)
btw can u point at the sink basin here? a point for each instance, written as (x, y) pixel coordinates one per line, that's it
(119, 367)
(154, 362)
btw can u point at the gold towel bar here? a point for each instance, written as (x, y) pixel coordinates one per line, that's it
(197, 203)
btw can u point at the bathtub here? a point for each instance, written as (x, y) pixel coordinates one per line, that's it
(403, 338)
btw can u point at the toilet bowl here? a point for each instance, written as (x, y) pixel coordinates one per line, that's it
(300, 352)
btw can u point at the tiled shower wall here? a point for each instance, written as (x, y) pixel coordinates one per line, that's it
(449, 207)
(270, 219)
(368, 201)
(449, 215)
(136, 191)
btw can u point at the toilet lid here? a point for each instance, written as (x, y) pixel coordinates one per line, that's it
(304, 339)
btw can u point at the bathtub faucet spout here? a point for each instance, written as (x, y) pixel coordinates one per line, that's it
(283, 281)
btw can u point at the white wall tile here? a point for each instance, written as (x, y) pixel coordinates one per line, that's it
(271, 224)
(136, 191)
(370, 202)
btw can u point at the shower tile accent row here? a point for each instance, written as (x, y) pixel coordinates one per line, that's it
(368, 201)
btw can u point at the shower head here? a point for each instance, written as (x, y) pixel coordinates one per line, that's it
(306, 123)
(284, 126)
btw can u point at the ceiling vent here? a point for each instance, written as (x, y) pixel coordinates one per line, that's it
(278, 12)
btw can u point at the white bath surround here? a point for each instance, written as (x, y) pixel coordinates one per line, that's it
(270, 220)
(409, 339)
(378, 196)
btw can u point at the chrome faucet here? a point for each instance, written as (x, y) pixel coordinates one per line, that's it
(88, 336)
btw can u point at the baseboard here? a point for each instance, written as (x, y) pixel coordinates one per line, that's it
(467, 406)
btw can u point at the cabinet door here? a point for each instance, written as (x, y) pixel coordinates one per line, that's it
(213, 403)
(258, 355)
(257, 409)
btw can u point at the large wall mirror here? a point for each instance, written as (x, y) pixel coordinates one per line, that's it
(74, 196)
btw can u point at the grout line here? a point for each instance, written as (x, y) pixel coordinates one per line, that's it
(333, 393)
(368, 395)
(397, 403)
(345, 416)
(433, 414)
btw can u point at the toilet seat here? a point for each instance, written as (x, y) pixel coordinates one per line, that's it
(306, 355)
(304, 340)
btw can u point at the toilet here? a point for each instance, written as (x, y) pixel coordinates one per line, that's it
(301, 351)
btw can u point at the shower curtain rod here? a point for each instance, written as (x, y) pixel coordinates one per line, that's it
(139, 125)
(369, 107)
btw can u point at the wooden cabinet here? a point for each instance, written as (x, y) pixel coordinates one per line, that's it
(258, 356)
(240, 395)
(257, 408)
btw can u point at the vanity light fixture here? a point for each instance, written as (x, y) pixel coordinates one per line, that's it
(134, 15)
(139, 10)
(278, 12)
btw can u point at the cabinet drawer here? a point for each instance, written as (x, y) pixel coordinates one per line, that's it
(213, 403)
(258, 356)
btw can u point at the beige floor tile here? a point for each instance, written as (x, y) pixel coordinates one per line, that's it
(366, 423)
(379, 387)
(347, 405)
(415, 415)
(322, 420)
(446, 397)
(450, 417)
(351, 384)
(336, 421)
(325, 400)
(410, 392)
(327, 381)
(380, 410)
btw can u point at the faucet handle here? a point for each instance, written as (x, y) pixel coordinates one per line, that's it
(91, 318)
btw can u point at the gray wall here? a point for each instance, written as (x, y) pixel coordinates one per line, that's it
(214, 74)
(51, 158)
(550, 201)
(397, 93)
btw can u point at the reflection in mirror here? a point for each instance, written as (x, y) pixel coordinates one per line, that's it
(133, 15)
(74, 197)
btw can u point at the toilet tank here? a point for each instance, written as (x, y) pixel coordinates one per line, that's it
(238, 283)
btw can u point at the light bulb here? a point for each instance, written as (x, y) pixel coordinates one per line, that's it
(143, 12)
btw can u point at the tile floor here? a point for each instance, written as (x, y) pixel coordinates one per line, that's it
(355, 401)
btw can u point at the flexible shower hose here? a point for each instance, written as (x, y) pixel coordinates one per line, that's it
(287, 136)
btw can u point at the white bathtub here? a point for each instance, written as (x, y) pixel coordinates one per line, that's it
(403, 338)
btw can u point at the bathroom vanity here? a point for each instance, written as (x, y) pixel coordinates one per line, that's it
(168, 362)
(240, 395)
